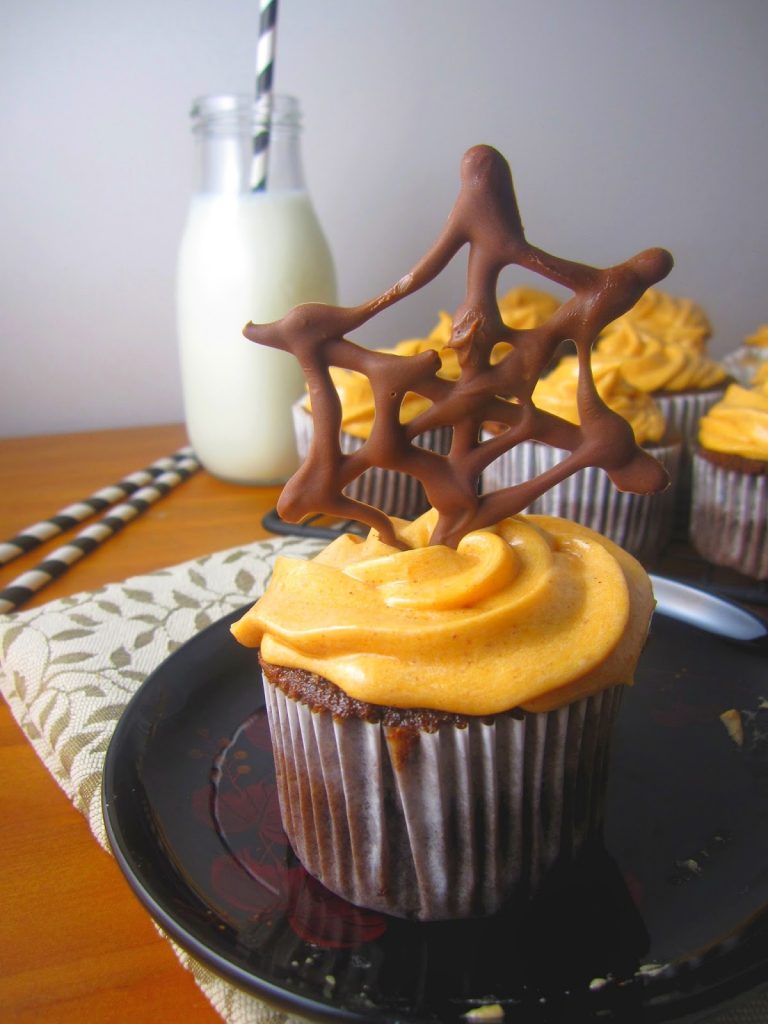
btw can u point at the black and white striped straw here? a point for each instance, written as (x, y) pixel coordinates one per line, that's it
(265, 70)
(29, 583)
(38, 533)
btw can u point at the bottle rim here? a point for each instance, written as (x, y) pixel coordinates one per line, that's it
(273, 110)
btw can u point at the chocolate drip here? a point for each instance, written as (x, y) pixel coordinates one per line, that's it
(486, 218)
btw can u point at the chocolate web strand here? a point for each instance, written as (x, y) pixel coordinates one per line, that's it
(486, 218)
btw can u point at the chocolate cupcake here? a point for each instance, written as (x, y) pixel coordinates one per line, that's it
(729, 507)
(438, 749)
(641, 524)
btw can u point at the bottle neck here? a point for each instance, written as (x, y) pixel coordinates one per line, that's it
(228, 130)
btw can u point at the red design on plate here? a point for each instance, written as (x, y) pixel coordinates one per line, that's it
(256, 877)
(324, 919)
(257, 888)
(254, 809)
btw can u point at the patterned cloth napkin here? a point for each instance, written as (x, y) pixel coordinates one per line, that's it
(70, 667)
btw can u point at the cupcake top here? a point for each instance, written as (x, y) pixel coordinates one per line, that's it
(521, 309)
(675, 319)
(747, 364)
(738, 423)
(532, 613)
(653, 365)
(759, 339)
(557, 393)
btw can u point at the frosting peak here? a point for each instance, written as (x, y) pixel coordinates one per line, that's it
(651, 364)
(675, 319)
(760, 337)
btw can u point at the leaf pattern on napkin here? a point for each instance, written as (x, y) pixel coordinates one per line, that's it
(72, 665)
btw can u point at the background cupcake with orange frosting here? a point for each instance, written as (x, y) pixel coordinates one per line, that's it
(729, 508)
(640, 524)
(673, 318)
(681, 377)
(395, 493)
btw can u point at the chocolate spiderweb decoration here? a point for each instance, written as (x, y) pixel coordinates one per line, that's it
(486, 218)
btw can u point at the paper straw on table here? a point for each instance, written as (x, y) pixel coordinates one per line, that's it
(38, 533)
(265, 67)
(28, 583)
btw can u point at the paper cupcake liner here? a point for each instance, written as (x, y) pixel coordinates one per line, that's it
(729, 517)
(641, 524)
(682, 412)
(396, 494)
(447, 824)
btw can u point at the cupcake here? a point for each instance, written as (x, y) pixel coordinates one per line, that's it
(684, 381)
(750, 360)
(441, 718)
(441, 695)
(394, 492)
(729, 509)
(640, 524)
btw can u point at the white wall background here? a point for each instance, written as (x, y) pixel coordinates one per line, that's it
(626, 125)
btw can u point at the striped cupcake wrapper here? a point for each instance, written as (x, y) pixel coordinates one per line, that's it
(470, 818)
(729, 517)
(396, 494)
(641, 524)
(683, 412)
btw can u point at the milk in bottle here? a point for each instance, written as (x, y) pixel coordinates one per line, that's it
(245, 256)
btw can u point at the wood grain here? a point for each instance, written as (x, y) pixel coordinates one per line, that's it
(75, 944)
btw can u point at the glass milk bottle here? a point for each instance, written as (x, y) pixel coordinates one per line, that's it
(246, 255)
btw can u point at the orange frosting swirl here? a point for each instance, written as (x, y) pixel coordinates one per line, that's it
(557, 393)
(738, 423)
(533, 613)
(675, 319)
(651, 364)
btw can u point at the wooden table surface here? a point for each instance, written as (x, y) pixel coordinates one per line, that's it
(75, 944)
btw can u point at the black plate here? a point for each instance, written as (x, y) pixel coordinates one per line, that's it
(665, 921)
